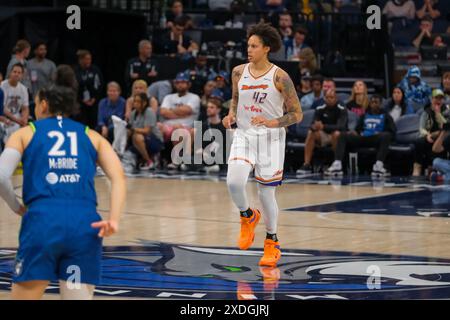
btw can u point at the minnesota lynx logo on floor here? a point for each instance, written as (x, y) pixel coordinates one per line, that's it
(167, 271)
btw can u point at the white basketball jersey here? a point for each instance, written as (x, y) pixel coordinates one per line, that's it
(258, 96)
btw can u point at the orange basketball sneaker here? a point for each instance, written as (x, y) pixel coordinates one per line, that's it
(272, 253)
(248, 226)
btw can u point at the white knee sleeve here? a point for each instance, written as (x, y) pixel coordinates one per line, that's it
(269, 207)
(71, 291)
(237, 177)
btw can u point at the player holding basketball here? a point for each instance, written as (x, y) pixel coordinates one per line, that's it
(58, 238)
(260, 90)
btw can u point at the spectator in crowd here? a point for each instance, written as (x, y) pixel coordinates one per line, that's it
(400, 9)
(222, 83)
(143, 66)
(438, 42)
(139, 86)
(157, 91)
(327, 84)
(297, 44)
(397, 106)
(199, 73)
(307, 60)
(330, 119)
(424, 35)
(431, 123)
(112, 105)
(175, 42)
(359, 99)
(213, 121)
(65, 76)
(16, 106)
(442, 165)
(144, 132)
(40, 69)
(90, 86)
(429, 10)
(179, 110)
(286, 32)
(305, 85)
(445, 86)
(417, 92)
(21, 52)
(176, 11)
(208, 89)
(375, 129)
(316, 94)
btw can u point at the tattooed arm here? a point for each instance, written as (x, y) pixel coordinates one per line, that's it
(294, 110)
(235, 77)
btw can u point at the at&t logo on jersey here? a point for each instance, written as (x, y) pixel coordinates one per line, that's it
(52, 178)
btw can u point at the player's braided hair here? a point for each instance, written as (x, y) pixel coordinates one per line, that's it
(268, 35)
(61, 100)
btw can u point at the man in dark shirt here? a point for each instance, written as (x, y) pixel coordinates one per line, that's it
(199, 73)
(175, 42)
(330, 120)
(143, 66)
(375, 129)
(424, 36)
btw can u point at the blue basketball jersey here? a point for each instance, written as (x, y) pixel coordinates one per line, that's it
(373, 123)
(59, 162)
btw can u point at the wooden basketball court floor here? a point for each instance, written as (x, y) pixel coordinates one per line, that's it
(199, 212)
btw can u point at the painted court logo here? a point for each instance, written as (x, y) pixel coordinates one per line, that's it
(167, 271)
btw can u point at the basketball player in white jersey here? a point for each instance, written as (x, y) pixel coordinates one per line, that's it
(262, 93)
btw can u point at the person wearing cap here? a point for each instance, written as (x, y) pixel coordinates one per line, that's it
(179, 110)
(417, 92)
(222, 83)
(431, 122)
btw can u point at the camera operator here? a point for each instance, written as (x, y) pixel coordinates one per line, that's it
(442, 144)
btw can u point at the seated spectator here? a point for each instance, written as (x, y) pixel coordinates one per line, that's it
(16, 107)
(175, 42)
(431, 123)
(90, 88)
(139, 86)
(176, 11)
(144, 132)
(442, 165)
(307, 60)
(216, 96)
(142, 67)
(316, 94)
(375, 129)
(41, 71)
(400, 9)
(199, 73)
(330, 119)
(359, 99)
(328, 84)
(208, 88)
(397, 106)
(179, 111)
(429, 10)
(305, 85)
(424, 35)
(112, 105)
(213, 121)
(286, 32)
(417, 92)
(438, 42)
(222, 83)
(298, 43)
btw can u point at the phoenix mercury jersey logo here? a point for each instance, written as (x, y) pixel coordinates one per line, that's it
(162, 270)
